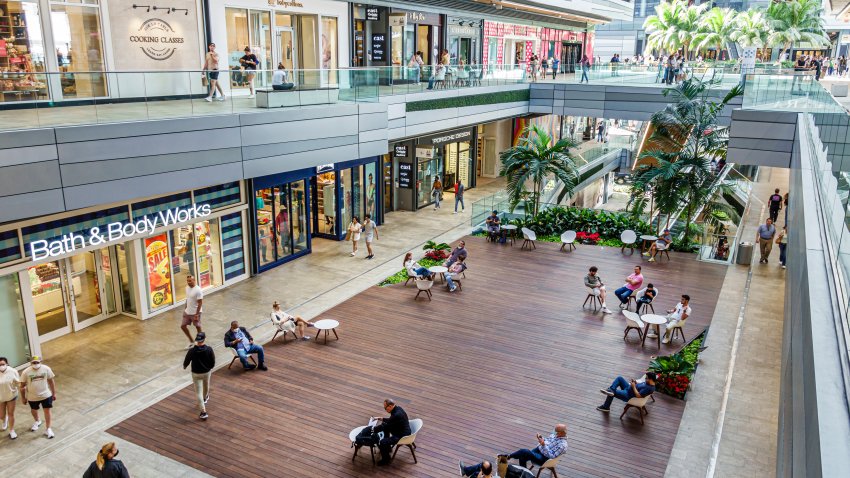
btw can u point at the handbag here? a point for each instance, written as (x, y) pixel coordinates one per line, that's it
(502, 465)
(348, 235)
(204, 80)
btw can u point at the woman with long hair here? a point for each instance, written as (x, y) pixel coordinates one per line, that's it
(413, 267)
(354, 228)
(105, 465)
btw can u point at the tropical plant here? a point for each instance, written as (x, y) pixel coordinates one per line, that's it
(674, 25)
(686, 138)
(674, 372)
(752, 29)
(537, 158)
(608, 224)
(436, 251)
(717, 27)
(794, 22)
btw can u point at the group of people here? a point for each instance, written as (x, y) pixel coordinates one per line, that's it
(356, 228)
(672, 69)
(437, 194)
(766, 235)
(545, 449)
(35, 386)
(456, 265)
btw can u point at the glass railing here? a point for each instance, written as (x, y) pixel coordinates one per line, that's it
(797, 92)
(655, 75)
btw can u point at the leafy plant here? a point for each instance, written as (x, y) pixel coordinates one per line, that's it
(796, 22)
(676, 371)
(587, 237)
(608, 224)
(471, 100)
(401, 276)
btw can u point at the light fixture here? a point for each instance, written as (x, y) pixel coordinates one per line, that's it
(460, 23)
(143, 6)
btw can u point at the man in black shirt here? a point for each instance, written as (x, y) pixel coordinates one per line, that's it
(202, 359)
(395, 427)
(774, 204)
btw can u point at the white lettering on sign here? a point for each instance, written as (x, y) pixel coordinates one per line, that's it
(116, 231)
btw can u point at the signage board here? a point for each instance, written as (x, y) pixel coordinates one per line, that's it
(373, 14)
(159, 270)
(422, 18)
(323, 168)
(405, 175)
(448, 137)
(400, 151)
(379, 47)
(161, 38)
(425, 153)
(463, 31)
(398, 19)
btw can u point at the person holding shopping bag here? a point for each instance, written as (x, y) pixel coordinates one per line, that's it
(354, 228)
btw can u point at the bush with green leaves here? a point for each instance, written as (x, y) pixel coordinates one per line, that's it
(401, 276)
(609, 224)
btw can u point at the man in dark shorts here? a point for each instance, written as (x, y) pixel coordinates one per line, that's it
(774, 204)
(39, 389)
(192, 312)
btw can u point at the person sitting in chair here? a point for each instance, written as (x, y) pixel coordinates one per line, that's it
(289, 323)
(662, 244)
(395, 427)
(648, 296)
(454, 273)
(493, 225)
(547, 448)
(459, 251)
(677, 314)
(481, 470)
(626, 390)
(414, 269)
(240, 339)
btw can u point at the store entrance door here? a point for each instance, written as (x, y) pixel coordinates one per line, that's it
(570, 57)
(285, 53)
(73, 293)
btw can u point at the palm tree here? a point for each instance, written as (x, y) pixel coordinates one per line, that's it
(752, 29)
(686, 139)
(534, 160)
(689, 26)
(717, 27)
(794, 22)
(662, 28)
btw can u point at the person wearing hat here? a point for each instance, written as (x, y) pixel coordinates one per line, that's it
(625, 390)
(249, 61)
(39, 390)
(493, 225)
(202, 359)
(661, 244)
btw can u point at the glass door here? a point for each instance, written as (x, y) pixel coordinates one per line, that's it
(51, 299)
(285, 44)
(86, 284)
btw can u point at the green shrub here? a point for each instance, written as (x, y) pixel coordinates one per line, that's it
(609, 225)
(471, 100)
(676, 371)
(401, 275)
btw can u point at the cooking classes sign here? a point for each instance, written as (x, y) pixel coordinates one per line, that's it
(157, 39)
(160, 35)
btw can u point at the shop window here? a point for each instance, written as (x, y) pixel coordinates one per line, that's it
(13, 327)
(298, 215)
(283, 242)
(265, 225)
(429, 170)
(347, 211)
(207, 235)
(261, 45)
(371, 190)
(21, 52)
(329, 43)
(158, 272)
(181, 241)
(232, 245)
(308, 52)
(237, 34)
(325, 203)
(78, 41)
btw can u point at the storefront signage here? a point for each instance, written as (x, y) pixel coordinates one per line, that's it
(405, 175)
(155, 36)
(422, 18)
(379, 47)
(285, 4)
(452, 137)
(116, 231)
(400, 151)
(425, 153)
(159, 270)
(457, 30)
(323, 168)
(398, 19)
(157, 39)
(373, 14)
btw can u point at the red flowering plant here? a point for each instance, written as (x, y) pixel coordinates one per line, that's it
(587, 237)
(435, 251)
(676, 371)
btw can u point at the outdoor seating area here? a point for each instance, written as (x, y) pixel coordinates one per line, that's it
(431, 357)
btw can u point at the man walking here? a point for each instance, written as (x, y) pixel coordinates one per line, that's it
(371, 231)
(774, 204)
(202, 359)
(192, 312)
(39, 389)
(459, 196)
(764, 236)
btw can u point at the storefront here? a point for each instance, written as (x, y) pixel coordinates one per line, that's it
(82, 40)
(291, 208)
(464, 39)
(63, 273)
(413, 165)
(303, 35)
(506, 44)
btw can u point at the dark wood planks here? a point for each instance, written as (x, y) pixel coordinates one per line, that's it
(486, 368)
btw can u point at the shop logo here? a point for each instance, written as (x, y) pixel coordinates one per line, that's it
(157, 39)
(285, 4)
(115, 231)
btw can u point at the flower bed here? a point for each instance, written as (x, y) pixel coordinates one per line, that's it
(401, 275)
(676, 371)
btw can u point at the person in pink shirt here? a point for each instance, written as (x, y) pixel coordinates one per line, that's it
(633, 283)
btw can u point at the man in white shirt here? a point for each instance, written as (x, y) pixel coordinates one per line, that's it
(192, 312)
(680, 313)
(39, 390)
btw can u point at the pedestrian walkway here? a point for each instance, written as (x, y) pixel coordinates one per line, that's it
(731, 419)
(116, 367)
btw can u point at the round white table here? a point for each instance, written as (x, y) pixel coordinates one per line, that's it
(326, 325)
(655, 321)
(353, 436)
(647, 238)
(510, 232)
(441, 270)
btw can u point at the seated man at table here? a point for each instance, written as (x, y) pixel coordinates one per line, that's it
(547, 448)
(481, 470)
(459, 251)
(454, 272)
(289, 323)
(240, 339)
(633, 283)
(594, 283)
(662, 244)
(395, 427)
(493, 225)
(648, 295)
(626, 390)
(677, 314)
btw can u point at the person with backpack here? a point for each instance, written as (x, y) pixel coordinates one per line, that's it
(774, 204)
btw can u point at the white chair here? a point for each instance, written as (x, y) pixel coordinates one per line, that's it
(550, 465)
(633, 322)
(593, 298)
(279, 326)
(568, 239)
(236, 357)
(410, 276)
(440, 78)
(639, 404)
(628, 238)
(644, 306)
(409, 440)
(424, 285)
(529, 237)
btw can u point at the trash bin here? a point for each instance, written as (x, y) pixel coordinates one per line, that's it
(745, 253)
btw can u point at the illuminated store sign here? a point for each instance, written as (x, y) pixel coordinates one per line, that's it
(116, 231)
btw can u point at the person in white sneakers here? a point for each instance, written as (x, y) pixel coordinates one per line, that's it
(594, 283)
(9, 382)
(680, 313)
(39, 390)
(194, 307)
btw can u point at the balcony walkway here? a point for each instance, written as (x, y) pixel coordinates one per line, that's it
(512, 354)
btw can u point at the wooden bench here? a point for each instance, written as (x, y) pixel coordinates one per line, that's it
(269, 98)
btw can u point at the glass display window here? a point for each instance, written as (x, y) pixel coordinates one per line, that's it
(428, 171)
(181, 242)
(330, 43)
(371, 190)
(78, 40)
(21, 52)
(265, 225)
(14, 341)
(281, 222)
(325, 203)
(347, 211)
(158, 272)
(298, 214)
(207, 236)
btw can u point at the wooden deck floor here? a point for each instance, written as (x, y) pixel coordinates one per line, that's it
(486, 368)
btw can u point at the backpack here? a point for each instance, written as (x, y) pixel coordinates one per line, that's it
(515, 471)
(366, 437)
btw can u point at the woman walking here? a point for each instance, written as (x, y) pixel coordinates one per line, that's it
(585, 67)
(437, 193)
(9, 380)
(250, 62)
(105, 465)
(211, 70)
(354, 229)
(782, 240)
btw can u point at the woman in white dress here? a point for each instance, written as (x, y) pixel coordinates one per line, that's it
(354, 228)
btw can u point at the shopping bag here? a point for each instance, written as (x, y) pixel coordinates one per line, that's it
(502, 465)
(348, 236)
(204, 80)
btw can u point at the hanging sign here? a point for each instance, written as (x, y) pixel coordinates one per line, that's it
(323, 168)
(400, 151)
(405, 175)
(379, 47)
(373, 14)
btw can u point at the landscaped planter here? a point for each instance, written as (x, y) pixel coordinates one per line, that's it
(675, 372)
